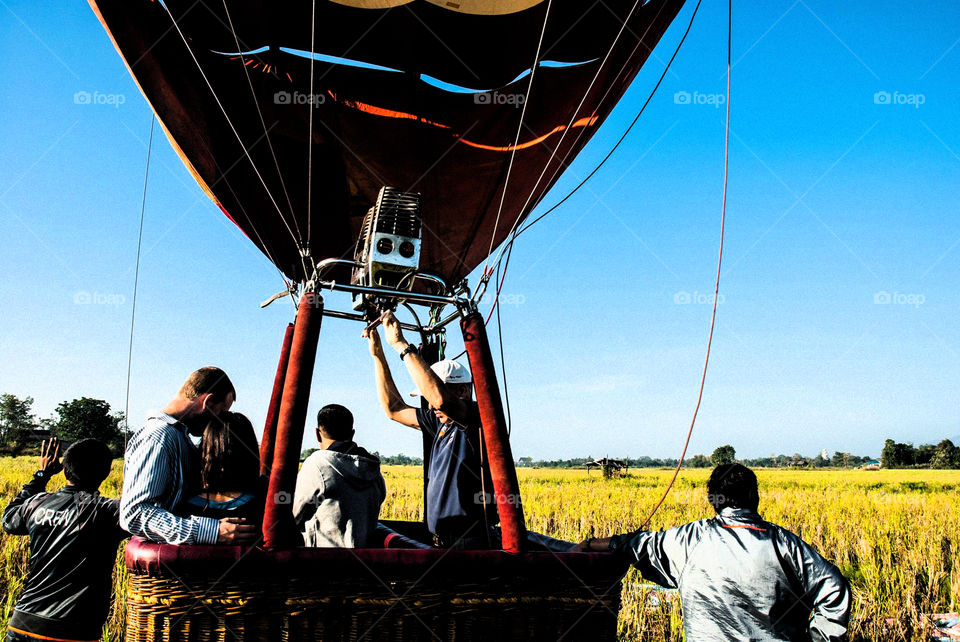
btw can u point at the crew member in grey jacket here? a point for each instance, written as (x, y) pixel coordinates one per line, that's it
(740, 577)
(339, 488)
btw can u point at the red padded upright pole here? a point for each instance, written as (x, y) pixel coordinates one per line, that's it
(278, 526)
(273, 410)
(502, 469)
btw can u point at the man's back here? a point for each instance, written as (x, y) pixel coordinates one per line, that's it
(338, 496)
(74, 536)
(741, 578)
(158, 467)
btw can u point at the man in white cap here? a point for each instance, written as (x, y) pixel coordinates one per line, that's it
(458, 484)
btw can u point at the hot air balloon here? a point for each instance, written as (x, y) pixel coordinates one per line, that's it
(382, 148)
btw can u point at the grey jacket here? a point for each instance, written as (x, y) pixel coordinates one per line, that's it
(741, 578)
(338, 496)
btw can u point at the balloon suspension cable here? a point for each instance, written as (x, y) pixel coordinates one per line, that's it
(313, 23)
(256, 103)
(514, 230)
(625, 133)
(576, 111)
(716, 289)
(503, 362)
(506, 250)
(246, 149)
(136, 284)
(523, 112)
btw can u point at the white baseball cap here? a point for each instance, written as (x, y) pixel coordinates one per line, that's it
(449, 371)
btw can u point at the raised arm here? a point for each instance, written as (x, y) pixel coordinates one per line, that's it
(390, 399)
(437, 394)
(15, 517)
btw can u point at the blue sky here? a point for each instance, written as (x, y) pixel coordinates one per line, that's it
(841, 285)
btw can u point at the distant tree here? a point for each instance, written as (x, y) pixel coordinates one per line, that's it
(525, 462)
(840, 460)
(897, 455)
(16, 420)
(923, 453)
(88, 418)
(699, 461)
(723, 455)
(888, 456)
(820, 462)
(946, 455)
(400, 460)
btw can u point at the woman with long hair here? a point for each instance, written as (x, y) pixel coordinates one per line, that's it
(229, 483)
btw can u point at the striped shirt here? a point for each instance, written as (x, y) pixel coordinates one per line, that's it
(156, 473)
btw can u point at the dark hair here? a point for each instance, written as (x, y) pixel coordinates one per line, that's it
(733, 485)
(208, 379)
(335, 422)
(87, 463)
(230, 455)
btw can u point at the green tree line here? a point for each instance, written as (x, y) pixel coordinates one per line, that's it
(21, 430)
(900, 455)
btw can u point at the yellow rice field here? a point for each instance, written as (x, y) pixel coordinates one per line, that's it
(894, 534)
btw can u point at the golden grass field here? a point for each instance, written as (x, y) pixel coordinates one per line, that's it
(894, 534)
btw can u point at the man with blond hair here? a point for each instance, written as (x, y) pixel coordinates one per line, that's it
(161, 460)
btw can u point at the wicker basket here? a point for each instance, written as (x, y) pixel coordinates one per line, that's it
(200, 593)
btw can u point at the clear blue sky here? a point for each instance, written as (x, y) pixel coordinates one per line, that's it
(838, 197)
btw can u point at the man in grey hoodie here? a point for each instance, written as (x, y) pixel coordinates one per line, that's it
(339, 488)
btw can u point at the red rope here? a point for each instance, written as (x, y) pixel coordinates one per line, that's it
(716, 289)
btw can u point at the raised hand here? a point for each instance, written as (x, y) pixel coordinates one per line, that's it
(50, 456)
(392, 331)
(376, 348)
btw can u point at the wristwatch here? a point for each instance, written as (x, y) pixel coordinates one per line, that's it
(410, 349)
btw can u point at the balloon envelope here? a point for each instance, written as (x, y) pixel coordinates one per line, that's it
(418, 95)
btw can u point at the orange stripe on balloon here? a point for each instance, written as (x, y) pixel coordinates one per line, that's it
(386, 113)
(583, 122)
(390, 113)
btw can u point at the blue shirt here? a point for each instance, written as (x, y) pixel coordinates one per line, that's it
(452, 466)
(157, 469)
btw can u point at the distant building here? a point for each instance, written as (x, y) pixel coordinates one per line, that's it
(38, 435)
(825, 454)
(608, 466)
